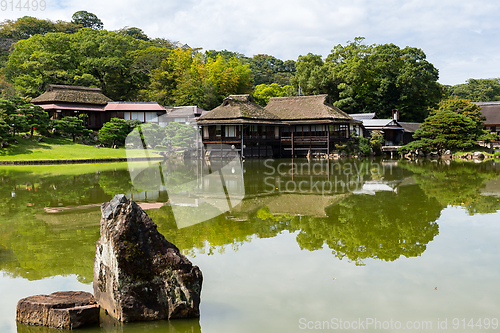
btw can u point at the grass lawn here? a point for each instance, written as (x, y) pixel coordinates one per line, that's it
(62, 149)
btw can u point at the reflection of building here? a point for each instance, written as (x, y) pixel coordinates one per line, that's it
(287, 126)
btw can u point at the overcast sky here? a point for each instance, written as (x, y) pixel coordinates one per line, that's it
(460, 37)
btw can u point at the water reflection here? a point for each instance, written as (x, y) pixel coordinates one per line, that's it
(378, 210)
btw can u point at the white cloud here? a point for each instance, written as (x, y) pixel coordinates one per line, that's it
(458, 36)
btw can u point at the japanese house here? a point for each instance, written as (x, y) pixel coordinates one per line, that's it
(142, 111)
(287, 126)
(491, 111)
(61, 101)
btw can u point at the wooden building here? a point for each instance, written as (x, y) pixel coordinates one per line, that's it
(143, 111)
(491, 112)
(311, 124)
(287, 126)
(239, 123)
(62, 101)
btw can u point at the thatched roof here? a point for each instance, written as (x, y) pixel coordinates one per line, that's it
(491, 111)
(300, 108)
(237, 109)
(72, 94)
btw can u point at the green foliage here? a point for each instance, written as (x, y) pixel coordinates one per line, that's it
(4, 130)
(263, 92)
(88, 57)
(372, 78)
(36, 117)
(87, 20)
(179, 136)
(364, 146)
(267, 70)
(456, 125)
(114, 132)
(187, 77)
(72, 126)
(133, 32)
(376, 141)
(477, 90)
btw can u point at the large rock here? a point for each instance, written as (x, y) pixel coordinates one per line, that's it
(64, 309)
(138, 274)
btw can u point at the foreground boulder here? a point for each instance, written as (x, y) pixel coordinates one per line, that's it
(64, 309)
(138, 274)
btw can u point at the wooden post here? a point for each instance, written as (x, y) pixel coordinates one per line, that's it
(293, 139)
(327, 140)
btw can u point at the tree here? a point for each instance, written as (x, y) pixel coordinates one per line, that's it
(36, 117)
(134, 33)
(4, 129)
(444, 130)
(72, 126)
(87, 20)
(477, 90)
(372, 78)
(88, 58)
(263, 92)
(114, 132)
(187, 77)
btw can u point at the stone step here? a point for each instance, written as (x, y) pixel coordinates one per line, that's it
(63, 309)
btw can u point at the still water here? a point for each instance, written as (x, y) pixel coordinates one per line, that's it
(284, 245)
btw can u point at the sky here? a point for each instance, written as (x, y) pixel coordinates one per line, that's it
(460, 37)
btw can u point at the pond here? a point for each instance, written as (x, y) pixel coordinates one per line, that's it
(284, 245)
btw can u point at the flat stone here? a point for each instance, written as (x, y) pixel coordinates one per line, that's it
(63, 309)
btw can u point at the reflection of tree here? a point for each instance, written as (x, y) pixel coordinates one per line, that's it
(221, 231)
(115, 182)
(381, 226)
(456, 184)
(60, 244)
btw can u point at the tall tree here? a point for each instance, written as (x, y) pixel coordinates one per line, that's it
(373, 78)
(87, 20)
(264, 92)
(88, 58)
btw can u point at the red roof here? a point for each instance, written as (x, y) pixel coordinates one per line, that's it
(133, 106)
(72, 107)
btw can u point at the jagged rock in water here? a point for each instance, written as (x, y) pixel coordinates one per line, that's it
(64, 309)
(138, 274)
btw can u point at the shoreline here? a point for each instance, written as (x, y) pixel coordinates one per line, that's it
(83, 161)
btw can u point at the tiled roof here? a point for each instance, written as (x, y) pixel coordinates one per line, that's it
(363, 116)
